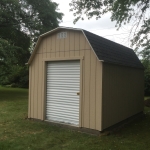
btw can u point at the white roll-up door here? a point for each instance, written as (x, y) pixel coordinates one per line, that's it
(63, 86)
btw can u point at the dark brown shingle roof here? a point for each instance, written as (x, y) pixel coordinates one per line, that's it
(112, 52)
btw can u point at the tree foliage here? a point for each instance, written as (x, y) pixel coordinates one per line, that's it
(123, 12)
(21, 22)
(135, 12)
(146, 64)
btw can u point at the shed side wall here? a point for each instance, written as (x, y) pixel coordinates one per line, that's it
(75, 45)
(123, 93)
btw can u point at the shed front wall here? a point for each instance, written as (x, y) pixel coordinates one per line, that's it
(74, 46)
(123, 93)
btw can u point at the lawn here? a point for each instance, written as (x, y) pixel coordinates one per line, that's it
(19, 133)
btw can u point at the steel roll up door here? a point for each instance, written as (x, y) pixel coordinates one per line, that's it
(63, 84)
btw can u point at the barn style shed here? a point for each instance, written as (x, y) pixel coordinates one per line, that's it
(80, 79)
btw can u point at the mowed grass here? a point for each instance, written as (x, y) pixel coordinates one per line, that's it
(19, 133)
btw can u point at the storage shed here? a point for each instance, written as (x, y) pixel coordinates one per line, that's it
(80, 79)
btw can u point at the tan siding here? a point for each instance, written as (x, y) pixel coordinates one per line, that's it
(36, 87)
(122, 93)
(62, 48)
(53, 54)
(98, 94)
(92, 91)
(75, 45)
(72, 43)
(82, 53)
(39, 87)
(67, 45)
(86, 82)
(49, 47)
(29, 102)
(57, 45)
(43, 90)
(44, 46)
(32, 89)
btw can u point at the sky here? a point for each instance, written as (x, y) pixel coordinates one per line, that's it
(103, 27)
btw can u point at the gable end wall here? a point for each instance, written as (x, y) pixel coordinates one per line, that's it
(74, 46)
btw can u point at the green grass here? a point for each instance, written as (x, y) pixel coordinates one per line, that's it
(19, 133)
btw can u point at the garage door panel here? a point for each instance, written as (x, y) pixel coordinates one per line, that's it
(60, 105)
(63, 116)
(63, 84)
(62, 99)
(60, 120)
(63, 88)
(61, 112)
(66, 91)
(63, 107)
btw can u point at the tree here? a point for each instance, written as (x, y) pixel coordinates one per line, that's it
(21, 22)
(123, 12)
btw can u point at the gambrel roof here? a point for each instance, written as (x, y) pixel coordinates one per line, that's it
(111, 52)
(106, 50)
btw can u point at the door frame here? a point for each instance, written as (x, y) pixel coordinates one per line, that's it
(81, 84)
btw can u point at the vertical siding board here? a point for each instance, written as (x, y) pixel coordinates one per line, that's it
(82, 53)
(44, 90)
(49, 47)
(42, 85)
(72, 43)
(57, 45)
(62, 47)
(44, 46)
(98, 90)
(35, 87)
(104, 94)
(87, 85)
(67, 44)
(30, 91)
(83, 92)
(77, 43)
(43, 79)
(37, 77)
(92, 90)
(87, 89)
(39, 87)
(53, 51)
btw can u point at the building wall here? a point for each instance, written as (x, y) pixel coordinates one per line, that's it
(123, 93)
(75, 45)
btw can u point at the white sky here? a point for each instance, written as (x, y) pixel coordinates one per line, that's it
(102, 27)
